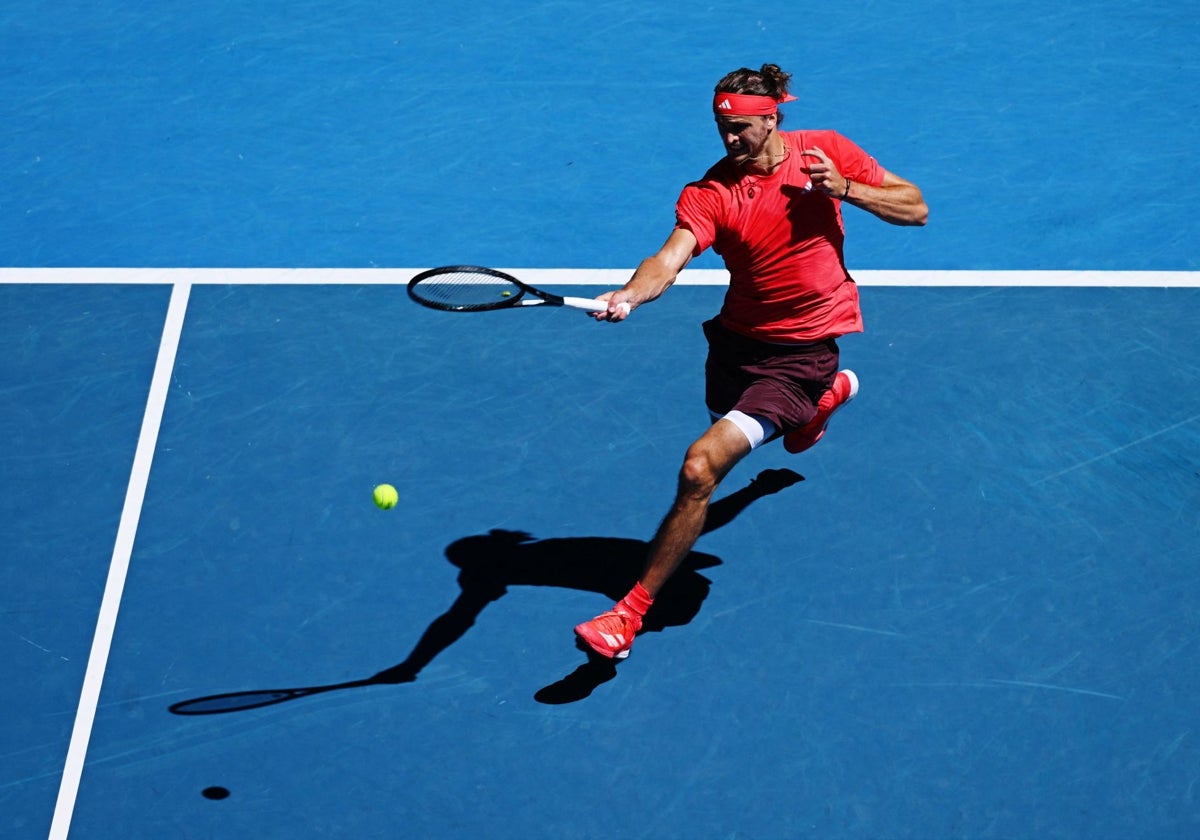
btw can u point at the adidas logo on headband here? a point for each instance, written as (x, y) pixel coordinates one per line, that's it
(724, 105)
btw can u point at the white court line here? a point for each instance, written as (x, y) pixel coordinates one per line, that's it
(611, 277)
(106, 622)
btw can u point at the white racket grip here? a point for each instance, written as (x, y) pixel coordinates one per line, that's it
(590, 304)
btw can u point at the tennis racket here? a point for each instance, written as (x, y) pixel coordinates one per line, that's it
(473, 288)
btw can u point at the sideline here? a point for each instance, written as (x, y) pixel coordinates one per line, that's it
(119, 567)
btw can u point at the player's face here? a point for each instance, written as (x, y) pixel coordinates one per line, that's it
(744, 137)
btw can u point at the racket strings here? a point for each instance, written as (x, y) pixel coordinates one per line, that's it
(466, 290)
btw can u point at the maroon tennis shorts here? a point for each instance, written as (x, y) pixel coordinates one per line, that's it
(779, 382)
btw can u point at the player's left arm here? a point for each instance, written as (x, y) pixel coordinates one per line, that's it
(895, 200)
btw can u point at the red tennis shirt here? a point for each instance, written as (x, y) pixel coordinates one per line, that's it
(781, 241)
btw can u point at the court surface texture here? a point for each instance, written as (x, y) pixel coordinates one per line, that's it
(970, 612)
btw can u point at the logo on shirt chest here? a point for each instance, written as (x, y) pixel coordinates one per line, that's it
(789, 191)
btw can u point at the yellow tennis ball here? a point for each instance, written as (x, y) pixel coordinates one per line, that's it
(386, 496)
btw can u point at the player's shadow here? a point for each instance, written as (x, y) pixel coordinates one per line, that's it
(492, 562)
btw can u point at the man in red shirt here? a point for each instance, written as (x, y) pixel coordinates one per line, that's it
(772, 209)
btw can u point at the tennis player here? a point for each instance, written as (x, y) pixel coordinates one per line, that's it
(772, 208)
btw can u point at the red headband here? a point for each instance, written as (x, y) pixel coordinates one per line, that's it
(747, 105)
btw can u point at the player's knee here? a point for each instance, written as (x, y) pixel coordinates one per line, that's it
(699, 474)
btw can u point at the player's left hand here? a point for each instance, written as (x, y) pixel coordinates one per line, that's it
(825, 176)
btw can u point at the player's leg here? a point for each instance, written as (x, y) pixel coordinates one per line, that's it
(708, 460)
(844, 389)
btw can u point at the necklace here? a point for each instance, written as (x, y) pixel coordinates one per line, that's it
(770, 159)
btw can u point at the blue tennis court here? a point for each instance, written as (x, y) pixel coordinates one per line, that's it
(971, 611)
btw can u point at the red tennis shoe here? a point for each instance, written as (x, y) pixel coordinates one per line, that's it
(611, 633)
(845, 388)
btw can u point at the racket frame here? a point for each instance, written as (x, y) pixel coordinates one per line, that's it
(542, 296)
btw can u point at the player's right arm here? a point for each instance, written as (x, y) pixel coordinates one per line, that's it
(653, 276)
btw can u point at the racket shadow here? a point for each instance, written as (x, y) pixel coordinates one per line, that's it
(492, 562)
